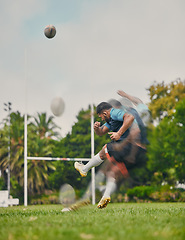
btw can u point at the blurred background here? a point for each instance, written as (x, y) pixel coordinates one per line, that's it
(100, 47)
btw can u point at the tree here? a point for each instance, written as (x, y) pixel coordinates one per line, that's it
(16, 132)
(38, 170)
(39, 144)
(164, 98)
(178, 125)
(45, 127)
(166, 152)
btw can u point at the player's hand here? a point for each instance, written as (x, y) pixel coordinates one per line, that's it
(114, 136)
(121, 93)
(96, 125)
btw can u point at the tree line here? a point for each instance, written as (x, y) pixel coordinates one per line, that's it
(165, 153)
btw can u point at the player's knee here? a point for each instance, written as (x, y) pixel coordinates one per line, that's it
(102, 154)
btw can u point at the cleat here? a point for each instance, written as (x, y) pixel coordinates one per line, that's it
(79, 204)
(103, 202)
(79, 167)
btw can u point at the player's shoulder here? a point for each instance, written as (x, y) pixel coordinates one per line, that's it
(116, 112)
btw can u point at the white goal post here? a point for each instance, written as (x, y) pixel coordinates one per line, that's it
(26, 158)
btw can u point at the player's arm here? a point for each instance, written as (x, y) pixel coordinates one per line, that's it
(100, 130)
(133, 99)
(127, 122)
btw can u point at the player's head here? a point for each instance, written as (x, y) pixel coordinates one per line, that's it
(115, 103)
(103, 110)
(125, 102)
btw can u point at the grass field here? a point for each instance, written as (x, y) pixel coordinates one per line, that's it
(117, 221)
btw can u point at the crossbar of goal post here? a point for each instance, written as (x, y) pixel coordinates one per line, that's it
(58, 159)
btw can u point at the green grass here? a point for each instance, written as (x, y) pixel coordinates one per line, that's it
(117, 221)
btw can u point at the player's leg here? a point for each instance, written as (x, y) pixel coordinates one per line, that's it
(99, 180)
(113, 175)
(94, 162)
(115, 154)
(110, 188)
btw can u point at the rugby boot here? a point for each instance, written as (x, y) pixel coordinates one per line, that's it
(103, 202)
(79, 167)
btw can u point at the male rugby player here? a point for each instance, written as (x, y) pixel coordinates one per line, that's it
(117, 124)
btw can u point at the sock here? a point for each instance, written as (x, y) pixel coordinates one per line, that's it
(110, 187)
(99, 178)
(94, 162)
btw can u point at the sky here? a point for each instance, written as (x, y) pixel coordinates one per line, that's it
(100, 46)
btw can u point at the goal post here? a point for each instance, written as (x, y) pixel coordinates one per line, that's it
(26, 158)
(25, 162)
